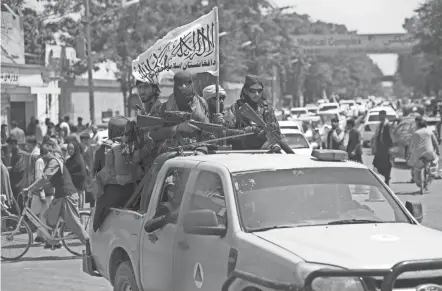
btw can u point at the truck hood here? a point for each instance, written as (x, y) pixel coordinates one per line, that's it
(374, 246)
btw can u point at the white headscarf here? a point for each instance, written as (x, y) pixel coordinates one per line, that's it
(210, 92)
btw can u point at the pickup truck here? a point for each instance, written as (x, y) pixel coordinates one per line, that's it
(254, 221)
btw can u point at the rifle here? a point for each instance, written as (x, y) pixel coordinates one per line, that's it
(273, 137)
(172, 118)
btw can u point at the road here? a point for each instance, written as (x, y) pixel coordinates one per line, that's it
(47, 270)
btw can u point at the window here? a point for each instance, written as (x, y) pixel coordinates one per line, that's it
(328, 107)
(172, 191)
(313, 196)
(298, 112)
(296, 140)
(375, 117)
(326, 118)
(209, 194)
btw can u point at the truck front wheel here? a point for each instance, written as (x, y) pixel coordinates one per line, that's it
(125, 278)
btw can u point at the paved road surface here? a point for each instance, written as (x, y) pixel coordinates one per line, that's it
(47, 270)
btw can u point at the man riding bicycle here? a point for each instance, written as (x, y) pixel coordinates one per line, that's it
(65, 202)
(423, 148)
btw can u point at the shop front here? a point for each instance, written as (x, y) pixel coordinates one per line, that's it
(24, 94)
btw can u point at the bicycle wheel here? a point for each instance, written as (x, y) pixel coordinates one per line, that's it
(70, 240)
(16, 239)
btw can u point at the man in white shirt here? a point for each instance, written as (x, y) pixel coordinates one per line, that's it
(423, 145)
(40, 201)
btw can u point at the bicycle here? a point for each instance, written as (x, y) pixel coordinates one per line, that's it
(15, 228)
(425, 176)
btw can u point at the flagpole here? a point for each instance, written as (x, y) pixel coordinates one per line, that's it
(217, 57)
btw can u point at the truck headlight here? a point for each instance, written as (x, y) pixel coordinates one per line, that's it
(303, 269)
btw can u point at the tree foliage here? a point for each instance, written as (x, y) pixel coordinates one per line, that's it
(120, 35)
(422, 70)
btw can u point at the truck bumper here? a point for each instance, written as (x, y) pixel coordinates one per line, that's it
(389, 276)
(88, 262)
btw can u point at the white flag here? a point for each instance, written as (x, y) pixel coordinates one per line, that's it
(191, 47)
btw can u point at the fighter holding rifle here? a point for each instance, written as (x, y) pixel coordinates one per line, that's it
(252, 114)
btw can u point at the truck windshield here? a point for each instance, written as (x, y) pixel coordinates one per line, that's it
(313, 196)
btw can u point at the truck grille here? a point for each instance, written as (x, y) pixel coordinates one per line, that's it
(403, 284)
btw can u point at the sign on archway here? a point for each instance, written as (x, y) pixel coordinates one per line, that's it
(316, 44)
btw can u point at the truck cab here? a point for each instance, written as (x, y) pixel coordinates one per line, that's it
(254, 221)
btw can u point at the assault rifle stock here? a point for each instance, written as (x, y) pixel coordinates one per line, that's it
(273, 137)
(173, 118)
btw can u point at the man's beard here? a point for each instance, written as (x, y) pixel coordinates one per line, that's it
(212, 108)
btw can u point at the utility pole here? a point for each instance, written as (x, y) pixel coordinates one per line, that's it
(89, 62)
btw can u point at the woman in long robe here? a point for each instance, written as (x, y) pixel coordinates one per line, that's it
(77, 168)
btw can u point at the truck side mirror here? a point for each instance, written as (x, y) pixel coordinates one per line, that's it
(415, 209)
(203, 222)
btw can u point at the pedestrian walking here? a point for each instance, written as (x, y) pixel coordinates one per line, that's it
(77, 168)
(41, 198)
(353, 145)
(18, 134)
(335, 137)
(17, 174)
(383, 142)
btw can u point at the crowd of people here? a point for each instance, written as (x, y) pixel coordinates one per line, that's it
(53, 164)
(64, 167)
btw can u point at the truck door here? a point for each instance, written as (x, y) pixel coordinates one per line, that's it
(157, 247)
(200, 261)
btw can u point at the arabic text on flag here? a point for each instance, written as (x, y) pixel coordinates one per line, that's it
(190, 47)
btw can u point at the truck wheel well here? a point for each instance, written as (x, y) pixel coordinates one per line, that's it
(118, 256)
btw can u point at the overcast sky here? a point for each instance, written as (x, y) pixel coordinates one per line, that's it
(373, 16)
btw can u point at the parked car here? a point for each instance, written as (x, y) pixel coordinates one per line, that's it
(312, 108)
(290, 124)
(298, 111)
(328, 106)
(298, 142)
(307, 121)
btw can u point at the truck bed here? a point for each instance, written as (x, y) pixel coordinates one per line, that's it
(120, 229)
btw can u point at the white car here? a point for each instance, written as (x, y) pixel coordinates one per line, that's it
(298, 142)
(362, 106)
(290, 124)
(298, 111)
(328, 106)
(350, 107)
(371, 122)
(312, 108)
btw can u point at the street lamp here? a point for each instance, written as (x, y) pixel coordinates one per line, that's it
(88, 23)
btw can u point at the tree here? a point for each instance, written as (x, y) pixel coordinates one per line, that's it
(36, 36)
(120, 35)
(422, 69)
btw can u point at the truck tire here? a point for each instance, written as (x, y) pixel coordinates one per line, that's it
(125, 278)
